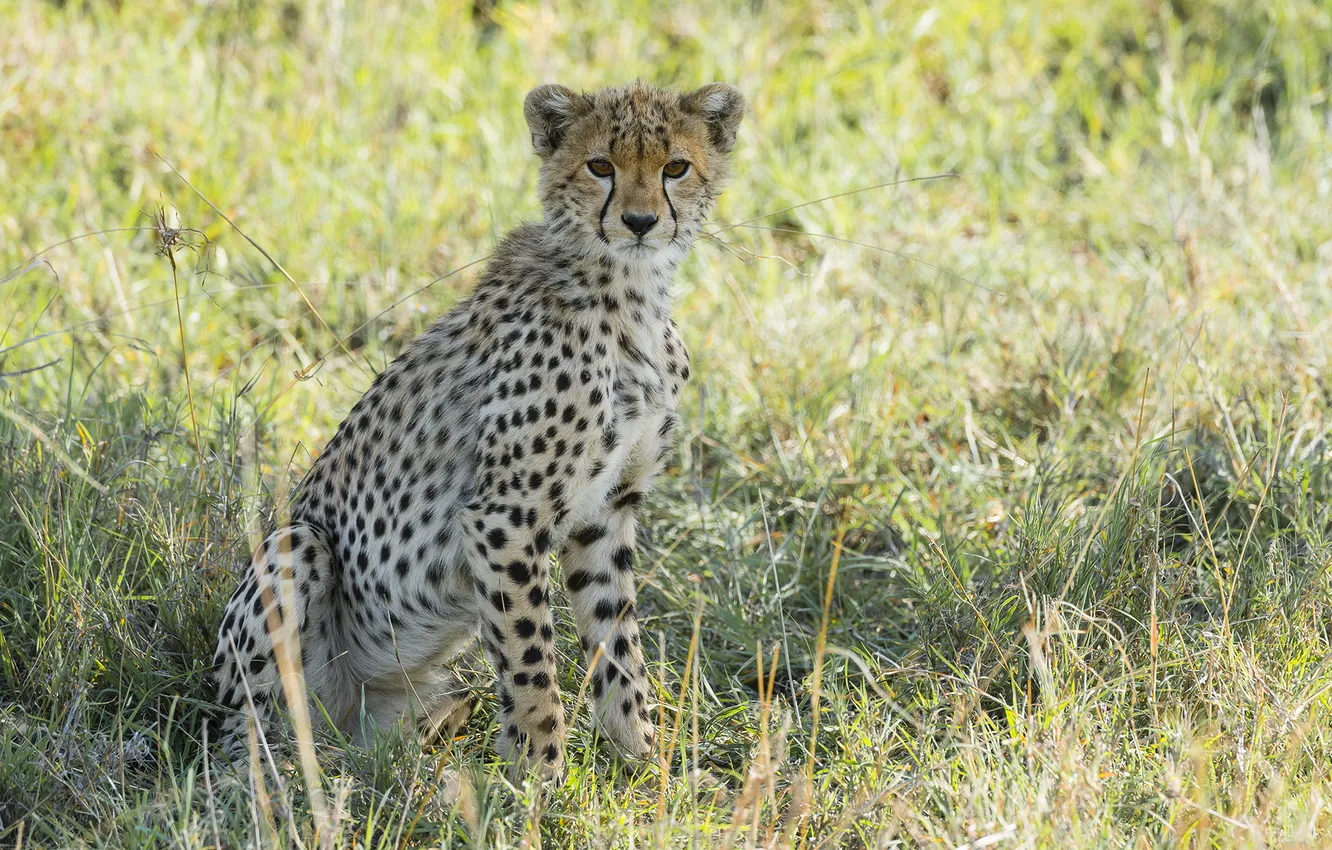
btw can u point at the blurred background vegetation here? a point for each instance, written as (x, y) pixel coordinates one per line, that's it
(1066, 410)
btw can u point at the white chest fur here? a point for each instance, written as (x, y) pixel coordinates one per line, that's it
(639, 406)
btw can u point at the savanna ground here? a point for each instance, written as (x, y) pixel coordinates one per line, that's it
(1021, 476)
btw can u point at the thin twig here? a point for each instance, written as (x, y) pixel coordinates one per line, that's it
(899, 254)
(208, 785)
(167, 240)
(267, 256)
(727, 227)
(28, 264)
(820, 647)
(30, 370)
(305, 373)
(736, 250)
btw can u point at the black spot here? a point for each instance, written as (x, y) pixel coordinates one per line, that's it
(623, 558)
(588, 535)
(631, 499)
(519, 573)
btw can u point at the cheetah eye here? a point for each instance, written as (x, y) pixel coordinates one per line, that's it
(676, 169)
(601, 167)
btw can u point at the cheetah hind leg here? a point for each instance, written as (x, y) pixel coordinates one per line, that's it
(434, 697)
(296, 565)
(442, 724)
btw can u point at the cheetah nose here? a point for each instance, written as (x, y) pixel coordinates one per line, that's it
(639, 223)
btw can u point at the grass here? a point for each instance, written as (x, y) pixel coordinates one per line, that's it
(1000, 516)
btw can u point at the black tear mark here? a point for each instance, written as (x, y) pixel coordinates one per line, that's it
(601, 219)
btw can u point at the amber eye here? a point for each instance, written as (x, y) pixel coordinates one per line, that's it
(676, 168)
(601, 167)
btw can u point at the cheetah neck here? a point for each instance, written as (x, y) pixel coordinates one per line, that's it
(631, 291)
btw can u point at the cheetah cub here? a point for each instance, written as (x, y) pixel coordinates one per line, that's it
(530, 419)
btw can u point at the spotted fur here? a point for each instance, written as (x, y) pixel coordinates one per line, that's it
(530, 419)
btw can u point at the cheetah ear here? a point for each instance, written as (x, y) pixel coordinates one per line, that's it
(721, 106)
(549, 110)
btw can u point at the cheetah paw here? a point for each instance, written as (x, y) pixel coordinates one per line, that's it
(541, 755)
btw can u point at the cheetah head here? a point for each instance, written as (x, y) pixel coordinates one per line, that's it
(632, 171)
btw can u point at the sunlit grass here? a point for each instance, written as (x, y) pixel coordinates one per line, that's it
(1069, 410)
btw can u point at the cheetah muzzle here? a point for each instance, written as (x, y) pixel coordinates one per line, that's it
(529, 419)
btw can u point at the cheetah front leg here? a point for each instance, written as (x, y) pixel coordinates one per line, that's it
(598, 569)
(509, 565)
(531, 460)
